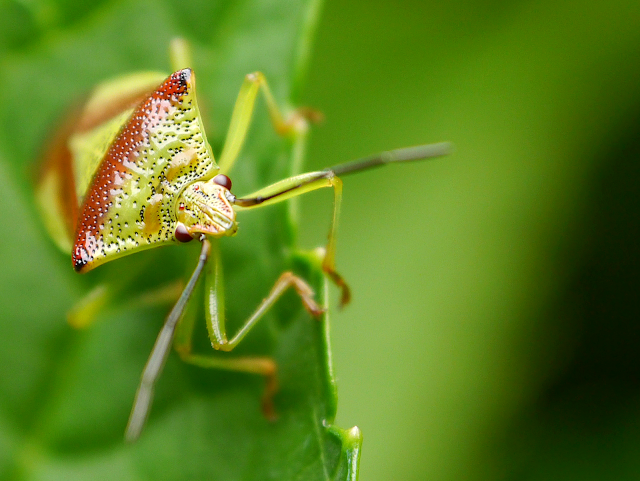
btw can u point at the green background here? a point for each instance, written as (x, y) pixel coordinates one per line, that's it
(494, 327)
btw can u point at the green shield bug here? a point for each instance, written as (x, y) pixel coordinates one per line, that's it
(134, 171)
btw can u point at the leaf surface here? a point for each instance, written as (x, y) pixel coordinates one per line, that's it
(65, 395)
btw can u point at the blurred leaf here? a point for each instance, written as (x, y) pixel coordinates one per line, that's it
(65, 395)
(471, 256)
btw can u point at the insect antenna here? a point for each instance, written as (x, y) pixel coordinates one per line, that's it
(407, 154)
(160, 351)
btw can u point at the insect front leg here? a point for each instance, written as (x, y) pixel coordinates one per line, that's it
(214, 313)
(301, 184)
(292, 125)
(298, 185)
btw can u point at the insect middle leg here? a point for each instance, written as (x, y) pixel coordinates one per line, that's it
(86, 310)
(215, 319)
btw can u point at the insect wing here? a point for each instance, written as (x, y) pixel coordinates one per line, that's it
(74, 152)
(55, 191)
(131, 202)
(89, 148)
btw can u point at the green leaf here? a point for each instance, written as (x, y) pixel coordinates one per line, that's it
(65, 395)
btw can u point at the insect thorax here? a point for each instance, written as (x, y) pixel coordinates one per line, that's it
(133, 199)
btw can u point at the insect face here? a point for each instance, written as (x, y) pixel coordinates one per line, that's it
(204, 208)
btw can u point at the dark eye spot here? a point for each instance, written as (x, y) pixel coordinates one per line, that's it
(182, 234)
(222, 180)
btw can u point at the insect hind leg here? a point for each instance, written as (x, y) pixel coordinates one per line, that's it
(215, 319)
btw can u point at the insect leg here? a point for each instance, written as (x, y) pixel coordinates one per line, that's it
(215, 319)
(293, 125)
(180, 54)
(285, 281)
(85, 311)
(158, 356)
(298, 185)
(301, 184)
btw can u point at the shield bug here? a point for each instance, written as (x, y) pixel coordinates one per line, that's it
(133, 170)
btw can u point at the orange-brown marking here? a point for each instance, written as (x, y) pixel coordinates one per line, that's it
(152, 214)
(179, 162)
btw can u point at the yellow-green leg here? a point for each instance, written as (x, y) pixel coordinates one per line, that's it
(86, 310)
(214, 313)
(298, 185)
(293, 125)
(301, 184)
(179, 54)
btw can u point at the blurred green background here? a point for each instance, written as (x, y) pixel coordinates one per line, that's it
(494, 332)
(494, 328)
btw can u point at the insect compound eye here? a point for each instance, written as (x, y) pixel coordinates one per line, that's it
(222, 180)
(182, 234)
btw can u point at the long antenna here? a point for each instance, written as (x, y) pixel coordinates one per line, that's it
(161, 348)
(407, 154)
